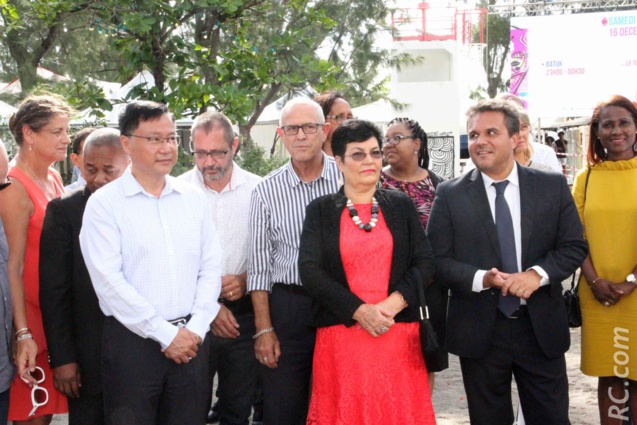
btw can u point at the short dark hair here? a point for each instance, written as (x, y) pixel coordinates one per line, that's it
(140, 111)
(353, 131)
(327, 99)
(209, 120)
(509, 110)
(78, 138)
(596, 152)
(418, 133)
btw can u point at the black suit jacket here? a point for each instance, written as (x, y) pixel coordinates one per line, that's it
(464, 239)
(321, 266)
(71, 314)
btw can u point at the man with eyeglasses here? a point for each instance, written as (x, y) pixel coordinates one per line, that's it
(284, 341)
(228, 189)
(336, 110)
(154, 258)
(6, 312)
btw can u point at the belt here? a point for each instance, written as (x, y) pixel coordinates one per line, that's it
(180, 322)
(295, 289)
(522, 311)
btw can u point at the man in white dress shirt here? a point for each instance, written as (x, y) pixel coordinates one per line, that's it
(154, 258)
(228, 189)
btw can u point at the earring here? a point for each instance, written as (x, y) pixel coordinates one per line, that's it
(415, 152)
(30, 147)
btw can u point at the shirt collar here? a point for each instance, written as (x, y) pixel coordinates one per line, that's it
(294, 180)
(238, 178)
(513, 178)
(133, 187)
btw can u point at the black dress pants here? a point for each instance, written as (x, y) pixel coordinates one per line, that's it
(286, 389)
(87, 409)
(234, 361)
(143, 387)
(514, 352)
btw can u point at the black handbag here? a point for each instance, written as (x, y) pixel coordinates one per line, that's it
(428, 339)
(571, 301)
(571, 296)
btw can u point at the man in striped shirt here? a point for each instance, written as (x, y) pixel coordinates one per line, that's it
(284, 339)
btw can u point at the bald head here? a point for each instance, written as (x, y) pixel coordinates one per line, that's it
(104, 158)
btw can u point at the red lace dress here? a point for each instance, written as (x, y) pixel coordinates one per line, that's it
(20, 403)
(359, 379)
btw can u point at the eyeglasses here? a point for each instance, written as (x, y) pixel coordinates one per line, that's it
(309, 128)
(395, 140)
(39, 395)
(341, 117)
(215, 154)
(5, 184)
(360, 155)
(154, 140)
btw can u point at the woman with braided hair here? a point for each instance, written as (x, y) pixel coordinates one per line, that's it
(405, 151)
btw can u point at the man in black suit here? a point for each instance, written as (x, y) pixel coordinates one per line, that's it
(506, 315)
(70, 311)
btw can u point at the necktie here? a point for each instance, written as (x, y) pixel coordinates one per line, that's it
(504, 224)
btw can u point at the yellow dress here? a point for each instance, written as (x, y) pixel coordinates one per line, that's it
(609, 215)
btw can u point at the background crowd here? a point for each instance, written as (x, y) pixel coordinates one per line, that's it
(126, 295)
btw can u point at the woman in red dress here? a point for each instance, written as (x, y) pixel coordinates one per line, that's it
(40, 128)
(363, 252)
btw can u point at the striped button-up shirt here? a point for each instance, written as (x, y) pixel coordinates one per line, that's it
(277, 211)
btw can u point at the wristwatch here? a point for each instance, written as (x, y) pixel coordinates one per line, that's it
(631, 279)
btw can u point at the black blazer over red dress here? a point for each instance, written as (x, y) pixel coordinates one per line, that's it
(321, 267)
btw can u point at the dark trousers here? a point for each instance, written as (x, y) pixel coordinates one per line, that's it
(286, 389)
(143, 387)
(86, 410)
(234, 361)
(4, 406)
(514, 352)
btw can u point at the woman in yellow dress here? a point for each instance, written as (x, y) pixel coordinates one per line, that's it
(606, 196)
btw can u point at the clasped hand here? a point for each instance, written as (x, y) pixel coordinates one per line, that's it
(521, 285)
(183, 347)
(609, 293)
(374, 318)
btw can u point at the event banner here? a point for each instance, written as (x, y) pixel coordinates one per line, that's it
(562, 65)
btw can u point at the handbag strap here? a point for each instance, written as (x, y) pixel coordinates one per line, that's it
(424, 314)
(588, 174)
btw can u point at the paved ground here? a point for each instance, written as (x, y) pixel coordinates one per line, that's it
(451, 405)
(450, 401)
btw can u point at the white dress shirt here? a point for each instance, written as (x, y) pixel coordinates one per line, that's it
(545, 155)
(76, 184)
(231, 215)
(151, 259)
(512, 195)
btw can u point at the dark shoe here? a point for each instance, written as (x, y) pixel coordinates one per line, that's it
(257, 415)
(213, 417)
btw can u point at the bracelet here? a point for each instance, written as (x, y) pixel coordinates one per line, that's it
(595, 280)
(24, 336)
(261, 332)
(22, 330)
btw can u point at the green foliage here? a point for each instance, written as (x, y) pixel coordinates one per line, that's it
(253, 158)
(236, 56)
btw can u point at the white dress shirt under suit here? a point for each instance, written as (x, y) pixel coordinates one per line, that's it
(512, 195)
